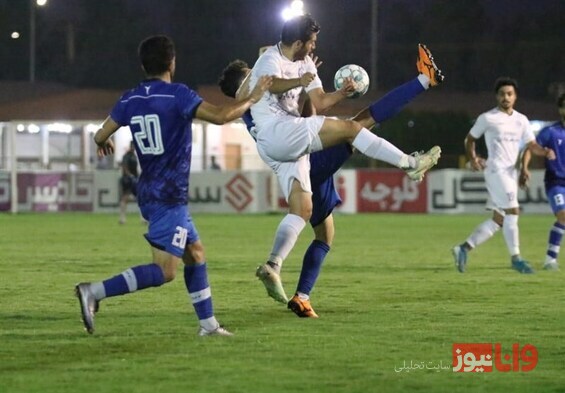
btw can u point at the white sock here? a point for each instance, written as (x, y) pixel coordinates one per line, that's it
(98, 290)
(376, 147)
(424, 81)
(210, 324)
(511, 233)
(285, 237)
(482, 233)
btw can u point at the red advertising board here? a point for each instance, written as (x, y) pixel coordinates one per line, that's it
(390, 191)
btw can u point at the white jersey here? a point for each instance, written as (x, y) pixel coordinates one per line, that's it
(504, 136)
(274, 63)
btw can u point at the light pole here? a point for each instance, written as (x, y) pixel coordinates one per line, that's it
(32, 5)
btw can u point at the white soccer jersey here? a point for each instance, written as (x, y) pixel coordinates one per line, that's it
(272, 62)
(504, 136)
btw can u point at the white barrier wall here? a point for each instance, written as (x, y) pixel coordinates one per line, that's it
(447, 191)
(455, 191)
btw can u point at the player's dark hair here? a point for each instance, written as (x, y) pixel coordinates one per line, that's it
(299, 28)
(232, 77)
(561, 100)
(505, 81)
(156, 54)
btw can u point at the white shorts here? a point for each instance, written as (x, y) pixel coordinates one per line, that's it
(502, 187)
(285, 143)
(288, 137)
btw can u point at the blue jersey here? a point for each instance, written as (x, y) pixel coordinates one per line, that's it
(160, 115)
(553, 137)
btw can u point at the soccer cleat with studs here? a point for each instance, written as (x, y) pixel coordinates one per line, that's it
(460, 257)
(424, 161)
(272, 282)
(88, 305)
(426, 65)
(301, 307)
(522, 266)
(219, 331)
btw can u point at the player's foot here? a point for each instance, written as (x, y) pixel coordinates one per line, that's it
(522, 267)
(88, 305)
(424, 161)
(460, 258)
(272, 282)
(551, 265)
(427, 66)
(301, 307)
(219, 331)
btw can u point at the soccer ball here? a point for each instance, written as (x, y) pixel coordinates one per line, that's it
(359, 76)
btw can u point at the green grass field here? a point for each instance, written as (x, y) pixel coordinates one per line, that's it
(388, 295)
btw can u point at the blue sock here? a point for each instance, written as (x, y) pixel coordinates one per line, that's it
(133, 279)
(196, 280)
(311, 265)
(392, 102)
(555, 236)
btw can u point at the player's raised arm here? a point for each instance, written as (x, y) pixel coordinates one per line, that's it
(223, 114)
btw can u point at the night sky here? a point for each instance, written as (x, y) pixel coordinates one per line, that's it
(92, 43)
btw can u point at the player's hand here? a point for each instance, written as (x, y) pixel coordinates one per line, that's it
(349, 87)
(550, 154)
(105, 149)
(306, 79)
(477, 164)
(263, 84)
(316, 61)
(524, 179)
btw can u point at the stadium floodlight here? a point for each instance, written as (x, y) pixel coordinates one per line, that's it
(15, 35)
(33, 128)
(91, 128)
(296, 8)
(20, 127)
(60, 127)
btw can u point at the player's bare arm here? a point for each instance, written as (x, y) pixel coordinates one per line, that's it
(102, 137)
(223, 114)
(476, 162)
(323, 101)
(524, 179)
(280, 85)
(541, 151)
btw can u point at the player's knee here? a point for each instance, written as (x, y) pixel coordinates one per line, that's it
(352, 128)
(169, 270)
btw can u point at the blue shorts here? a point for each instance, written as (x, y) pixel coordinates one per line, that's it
(170, 227)
(556, 198)
(323, 165)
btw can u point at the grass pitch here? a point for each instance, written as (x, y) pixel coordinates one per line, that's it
(388, 296)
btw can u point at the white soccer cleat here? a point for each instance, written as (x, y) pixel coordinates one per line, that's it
(424, 161)
(551, 265)
(272, 282)
(219, 331)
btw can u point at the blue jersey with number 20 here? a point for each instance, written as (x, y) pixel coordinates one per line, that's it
(160, 115)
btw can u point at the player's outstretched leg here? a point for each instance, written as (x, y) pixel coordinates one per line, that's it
(424, 162)
(88, 305)
(427, 66)
(272, 282)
